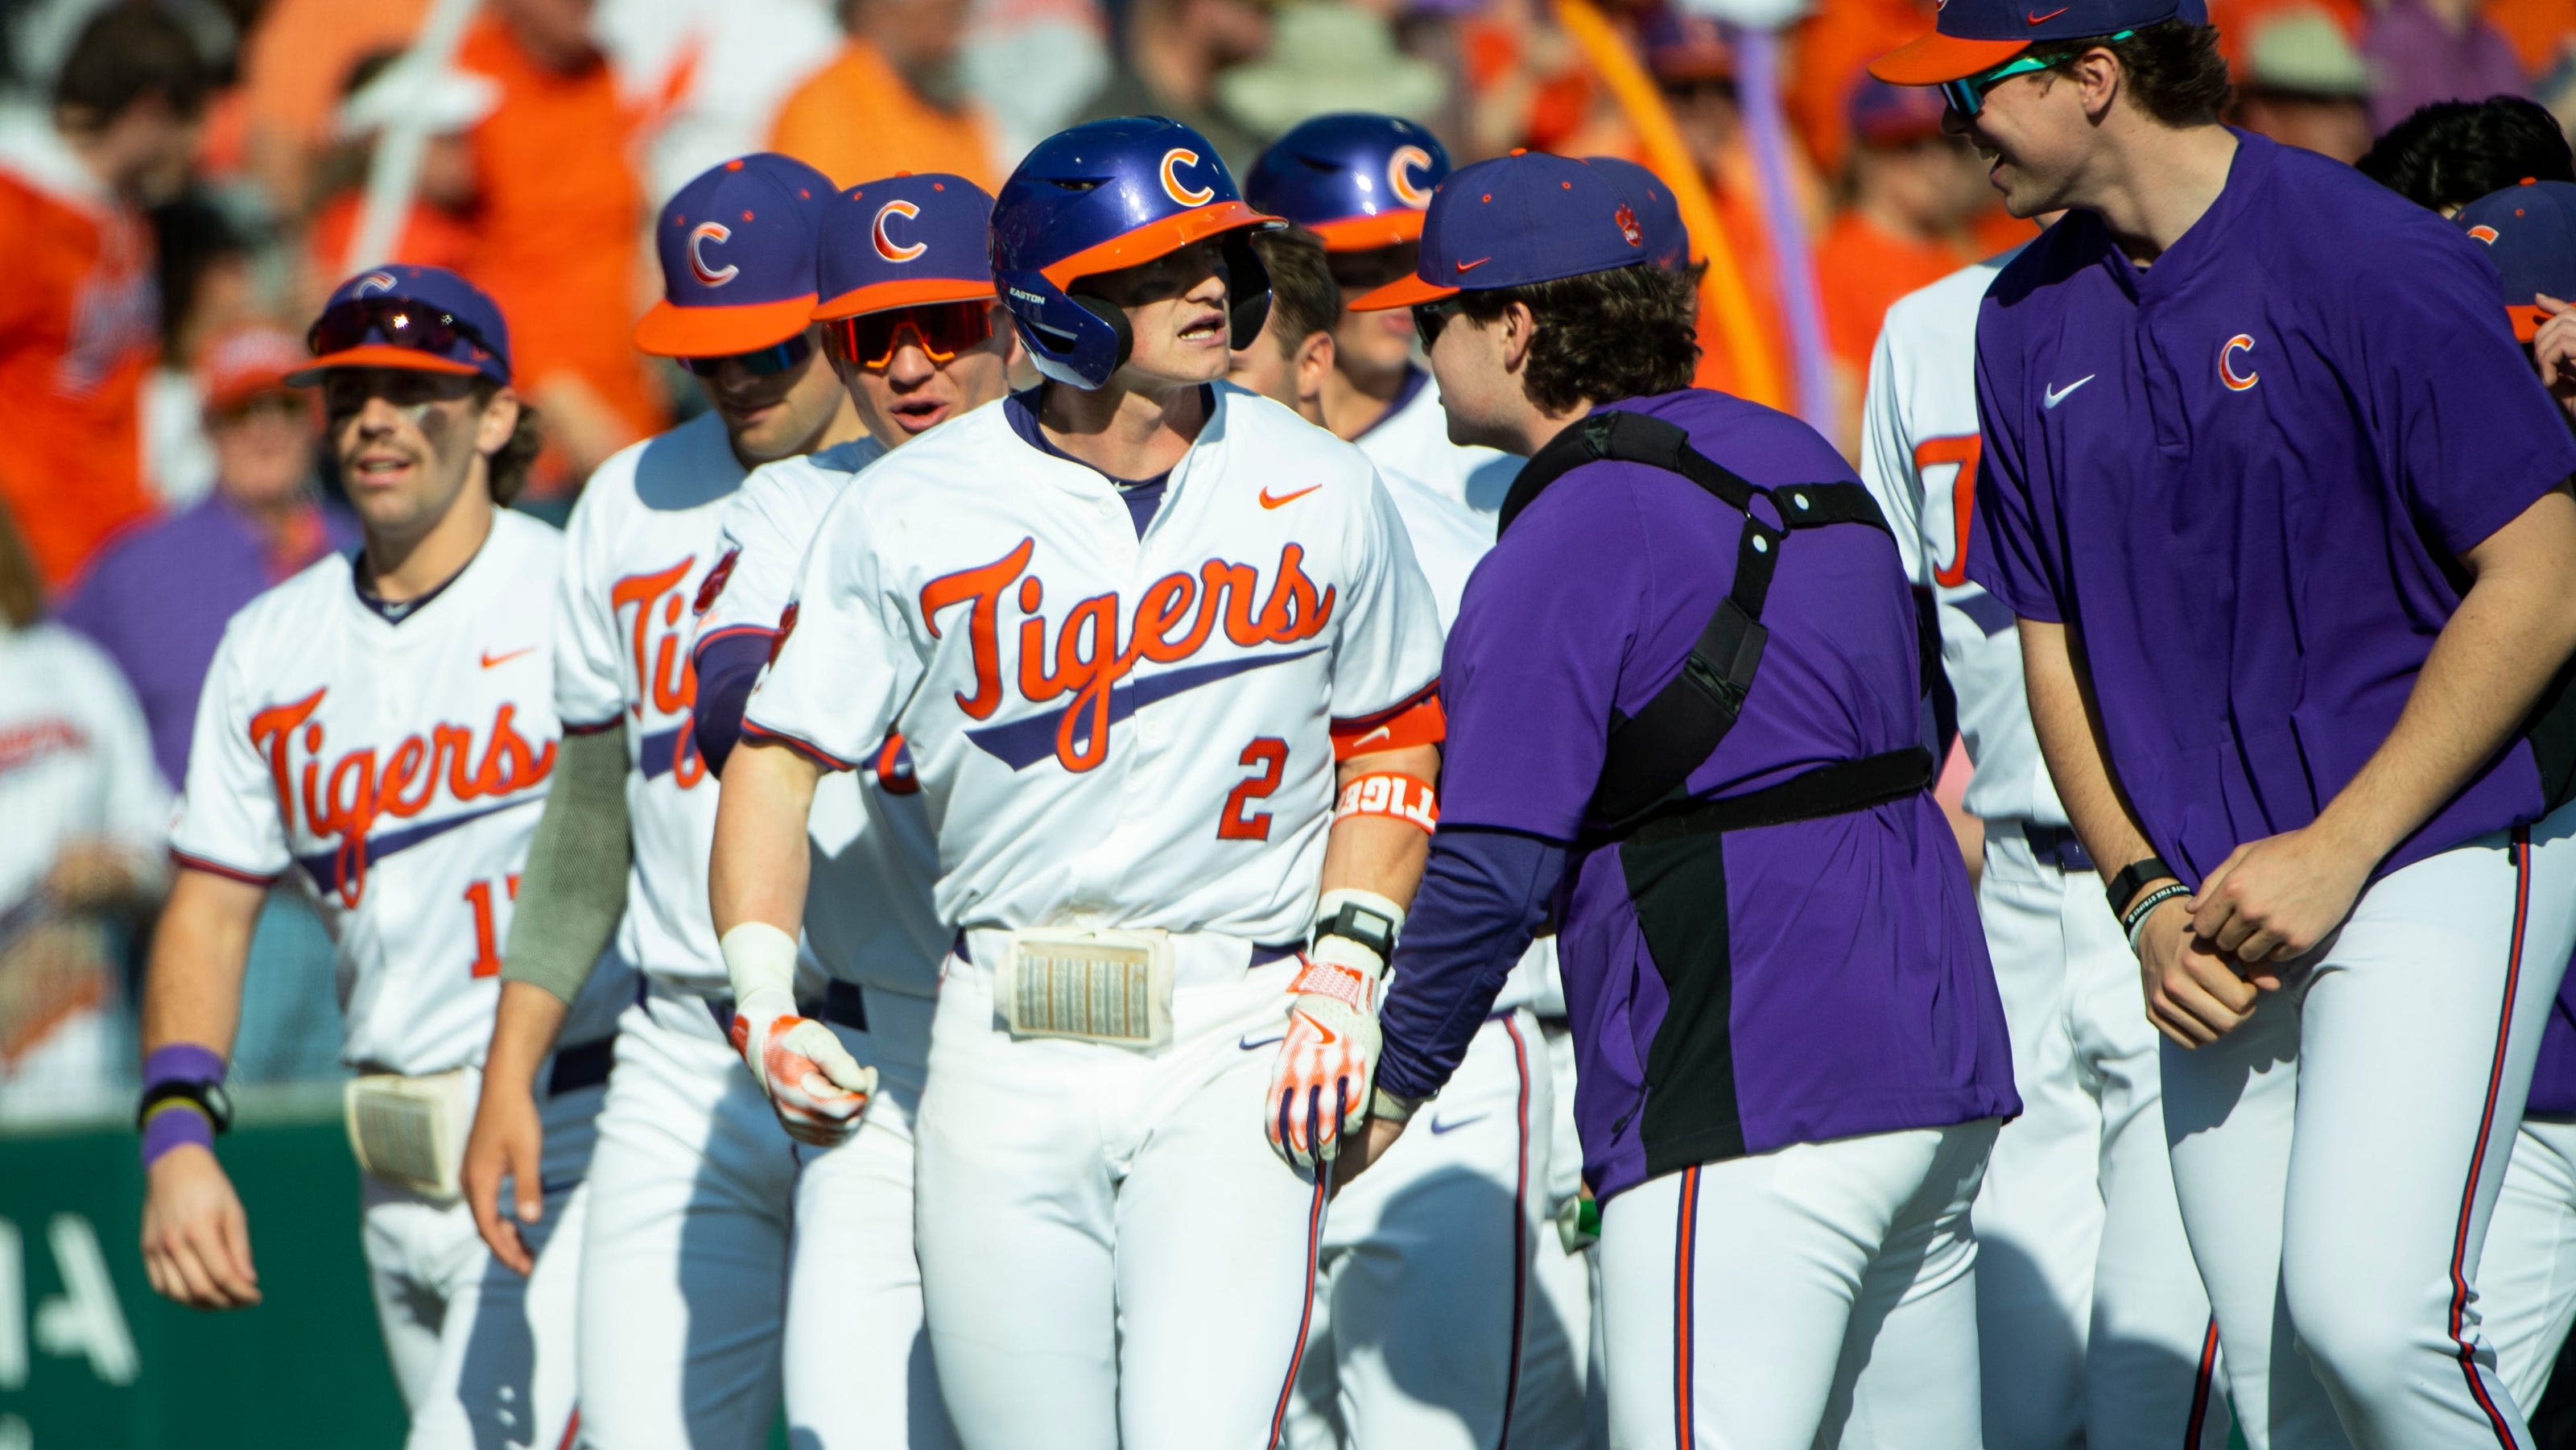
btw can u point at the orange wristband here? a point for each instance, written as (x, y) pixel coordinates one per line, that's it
(1406, 798)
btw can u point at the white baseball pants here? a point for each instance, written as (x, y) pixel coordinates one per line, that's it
(1570, 1283)
(2527, 1276)
(2338, 1156)
(1820, 1295)
(1427, 1320)
(2092, 1325)
(1111, 1254)
(716, 1265)
(483, 1357)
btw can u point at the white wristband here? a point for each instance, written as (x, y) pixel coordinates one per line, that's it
(760, 960)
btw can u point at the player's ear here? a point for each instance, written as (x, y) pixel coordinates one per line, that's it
(1312, 364)
(500, 420)
(1517, 326)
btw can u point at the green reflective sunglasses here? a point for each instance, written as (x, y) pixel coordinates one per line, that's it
(1967, 95)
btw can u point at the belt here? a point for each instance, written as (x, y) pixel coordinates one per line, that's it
(584, 1065)
(2056, 846)
(1262, 956)
(841, 1005)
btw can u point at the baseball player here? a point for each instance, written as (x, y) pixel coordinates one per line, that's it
(1433, 1258)
(686, 1223)
(379, 730)
(1792, 1061)
(1138, 629)
(2091, 1322)
(2308, 731)
(908, 318)
(2527, 1276)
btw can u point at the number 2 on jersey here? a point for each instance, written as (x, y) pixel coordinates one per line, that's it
(1235, 823)
(487, 941)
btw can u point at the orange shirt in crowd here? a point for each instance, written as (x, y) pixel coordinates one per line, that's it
(857, 119)
(1861, 270)
(2540, 30)
(296, 60)
(1828, 51)
(557, 225)
(80, 326)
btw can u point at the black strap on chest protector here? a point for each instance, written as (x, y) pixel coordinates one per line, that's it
(1652, 753)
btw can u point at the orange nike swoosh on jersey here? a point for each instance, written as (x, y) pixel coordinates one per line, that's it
(1272, 501)
(490, 659)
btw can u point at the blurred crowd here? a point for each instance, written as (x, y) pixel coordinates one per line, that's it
(181, 181)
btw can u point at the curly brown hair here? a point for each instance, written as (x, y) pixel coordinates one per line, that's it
(2173, 69)
(508, 469)
(1629, 332)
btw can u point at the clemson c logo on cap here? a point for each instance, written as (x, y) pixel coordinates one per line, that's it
(1399, 176)
(703, 233)
(2486, 234)
(2227, 364)
(885, 245)
(376, 282)
(1186, 196)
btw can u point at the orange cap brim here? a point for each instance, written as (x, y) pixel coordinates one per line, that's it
(2527, 322)
(669, 331)
(1928, 60)
(1157, 239)
(380, 355)
(1368, 233)
(911, 292)
(1402, 292)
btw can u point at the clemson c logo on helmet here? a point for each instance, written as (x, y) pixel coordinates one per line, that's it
(2227, 364)
(1185, 195)
(2484, 233)
(1399, 176)
(703, 233)
(885, 245)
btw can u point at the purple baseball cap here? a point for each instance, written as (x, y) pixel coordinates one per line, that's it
(2530, 232)
(1682, 46)
(418, 319)
(737, 247)
(1527, 217)
(902, 241)
(1977, 35)
(1668, 242)
(1884, 115)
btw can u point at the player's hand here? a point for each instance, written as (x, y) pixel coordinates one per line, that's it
(817, 1089)
(1365, 1148)
(2275, 899)
(196, 1240)
(2194, 996)
(1320, 1086)
(2554, 350)
(508, 1142)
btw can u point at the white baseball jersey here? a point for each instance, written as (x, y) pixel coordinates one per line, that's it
(640, 543)
(1919, 452)
(75, 760)
(869, 917)
(1108, 730)
(1451, 496)
(394, 772)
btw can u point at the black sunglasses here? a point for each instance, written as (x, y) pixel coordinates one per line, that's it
(398, 321)
(1430, 317)
(759, 362)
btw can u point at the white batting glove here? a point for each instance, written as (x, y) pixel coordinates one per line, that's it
(814, 1086)
(1320, 1088)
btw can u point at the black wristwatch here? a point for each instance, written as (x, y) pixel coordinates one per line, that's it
(210, 1098)
(2133, 878)
(1372, 929)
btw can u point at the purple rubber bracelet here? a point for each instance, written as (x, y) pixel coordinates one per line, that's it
(173, 1124)
(179, 1121)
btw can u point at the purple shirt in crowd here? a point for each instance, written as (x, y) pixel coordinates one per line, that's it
(2419, 58)
(157, 600)
(2249, 470)
(1859, 997)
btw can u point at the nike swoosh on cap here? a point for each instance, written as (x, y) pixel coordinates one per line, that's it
(2037, 19)
(1472, 266)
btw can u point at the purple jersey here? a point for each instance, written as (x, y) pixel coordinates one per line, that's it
(1853, 992)
(2249, 471)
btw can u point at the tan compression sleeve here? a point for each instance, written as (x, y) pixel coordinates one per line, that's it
(573, 890)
